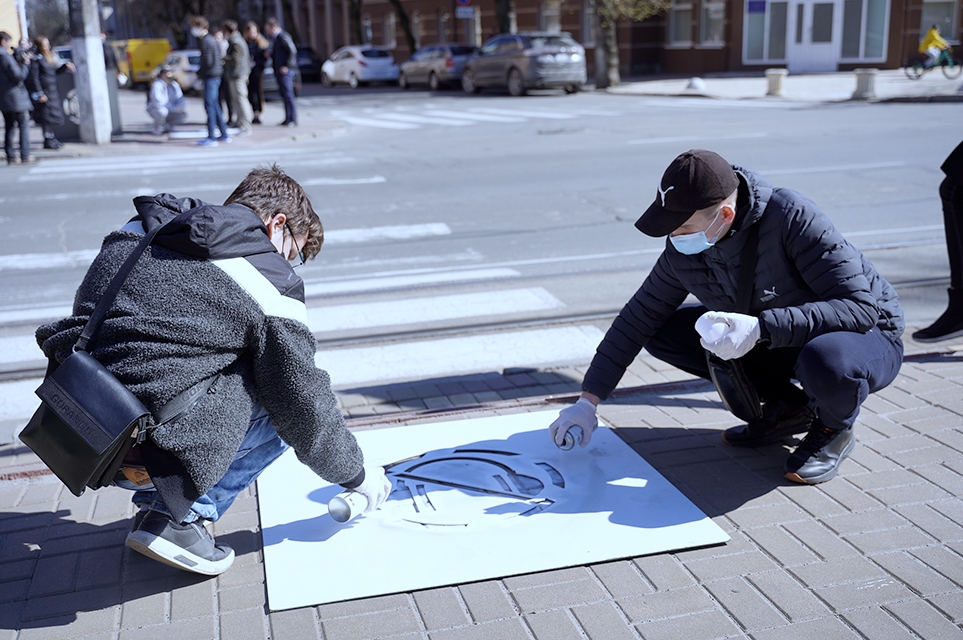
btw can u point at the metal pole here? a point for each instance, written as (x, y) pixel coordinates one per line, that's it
(91, 75)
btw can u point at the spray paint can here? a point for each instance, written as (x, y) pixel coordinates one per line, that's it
(572, 437)
(346, 506)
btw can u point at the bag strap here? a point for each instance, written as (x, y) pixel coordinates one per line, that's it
(747, 270)
(107, 300)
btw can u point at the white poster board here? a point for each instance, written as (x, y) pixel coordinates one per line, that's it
(472, 499)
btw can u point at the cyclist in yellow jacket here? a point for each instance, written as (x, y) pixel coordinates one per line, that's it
(932, 45)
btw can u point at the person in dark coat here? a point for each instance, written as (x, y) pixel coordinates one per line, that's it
(284, 57)
(14, 99)
(260, 53)
(42, 85)
(815, 312)
(950, 323)
(210, 71)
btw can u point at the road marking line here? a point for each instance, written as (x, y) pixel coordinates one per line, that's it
(524, 114)
(34, 315)
(404, 117)
(18, 400)
(83, 258)
(19, 349)
(426, 359)
(397, 232)
(429, 309)
(832, 169)
(675, 139)
(483, 117)
(323, 182)
(315, 288)
(371, 122)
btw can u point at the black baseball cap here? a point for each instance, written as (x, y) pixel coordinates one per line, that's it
(696, 179)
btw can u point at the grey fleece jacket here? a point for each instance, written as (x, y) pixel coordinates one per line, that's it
(808, 281)
(211, 294)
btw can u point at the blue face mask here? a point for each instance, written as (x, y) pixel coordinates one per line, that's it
(693, 243)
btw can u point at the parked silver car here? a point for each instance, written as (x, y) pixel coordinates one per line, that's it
(436, 65)
(529, 60)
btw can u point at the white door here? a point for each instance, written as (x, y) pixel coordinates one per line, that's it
(815, 28)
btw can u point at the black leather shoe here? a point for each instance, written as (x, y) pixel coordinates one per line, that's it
(779, 420)
(818, 456)
(949, 325)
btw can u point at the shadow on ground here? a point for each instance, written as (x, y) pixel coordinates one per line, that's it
(53, 567)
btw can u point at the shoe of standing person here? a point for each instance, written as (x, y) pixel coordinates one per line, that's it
(207, 142)
(949, 325)
(186, 546)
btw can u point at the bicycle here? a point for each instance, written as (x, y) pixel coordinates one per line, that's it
(951, 65)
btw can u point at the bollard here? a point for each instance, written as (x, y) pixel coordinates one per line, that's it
(774, 78)
(865, 84)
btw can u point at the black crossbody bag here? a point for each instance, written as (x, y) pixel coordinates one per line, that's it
(738, 393)
(88, 420)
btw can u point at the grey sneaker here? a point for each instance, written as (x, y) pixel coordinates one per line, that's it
(818, 456)
(185, 546)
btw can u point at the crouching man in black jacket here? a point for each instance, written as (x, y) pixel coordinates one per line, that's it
(816, 312)
(214, 296)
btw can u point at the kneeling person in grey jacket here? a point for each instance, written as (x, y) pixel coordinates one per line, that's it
(214, 297)
(814, 311)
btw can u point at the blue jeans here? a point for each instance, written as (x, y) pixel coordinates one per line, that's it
(261, 446)
(286, 89)
(213, 107)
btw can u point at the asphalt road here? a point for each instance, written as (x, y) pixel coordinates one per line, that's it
(492, 211)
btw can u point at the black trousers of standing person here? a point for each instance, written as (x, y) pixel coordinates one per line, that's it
(19, 119)
(837, 370)
(951, 193)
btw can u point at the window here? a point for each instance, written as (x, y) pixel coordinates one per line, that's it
(550, 16)
(589, 24)
(712, 23)
(765, 37)
(864, 29)
(680, 24)
(366, 28)
(942, 13)
(389, 26)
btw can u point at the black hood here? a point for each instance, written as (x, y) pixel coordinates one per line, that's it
(204, 230)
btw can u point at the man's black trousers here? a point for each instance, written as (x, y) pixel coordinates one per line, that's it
(837, 370)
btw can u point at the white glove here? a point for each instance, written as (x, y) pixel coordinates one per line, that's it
(375, 488)
(728, 335)
(581, 414)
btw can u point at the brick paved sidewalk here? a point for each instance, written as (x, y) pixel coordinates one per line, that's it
(875, 553)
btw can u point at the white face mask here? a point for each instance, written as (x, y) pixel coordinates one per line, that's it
(693, 243)
(197, 32)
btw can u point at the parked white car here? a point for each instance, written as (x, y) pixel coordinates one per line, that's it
(355, 65)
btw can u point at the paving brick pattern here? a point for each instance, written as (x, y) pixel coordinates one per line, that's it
(877, 553)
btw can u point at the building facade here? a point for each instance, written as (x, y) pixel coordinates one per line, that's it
(693, 37)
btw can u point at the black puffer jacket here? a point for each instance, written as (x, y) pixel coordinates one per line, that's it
(210, 294)
(808, 281)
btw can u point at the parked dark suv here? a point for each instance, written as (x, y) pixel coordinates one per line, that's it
(529, 60)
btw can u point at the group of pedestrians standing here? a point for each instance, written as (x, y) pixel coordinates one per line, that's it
(28, 82)
(234, 66)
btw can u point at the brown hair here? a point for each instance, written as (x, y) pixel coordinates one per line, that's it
(230, 26)
(269, 191)
(200, 22)
(48, 54)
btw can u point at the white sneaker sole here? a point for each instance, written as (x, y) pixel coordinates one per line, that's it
(170, 554)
